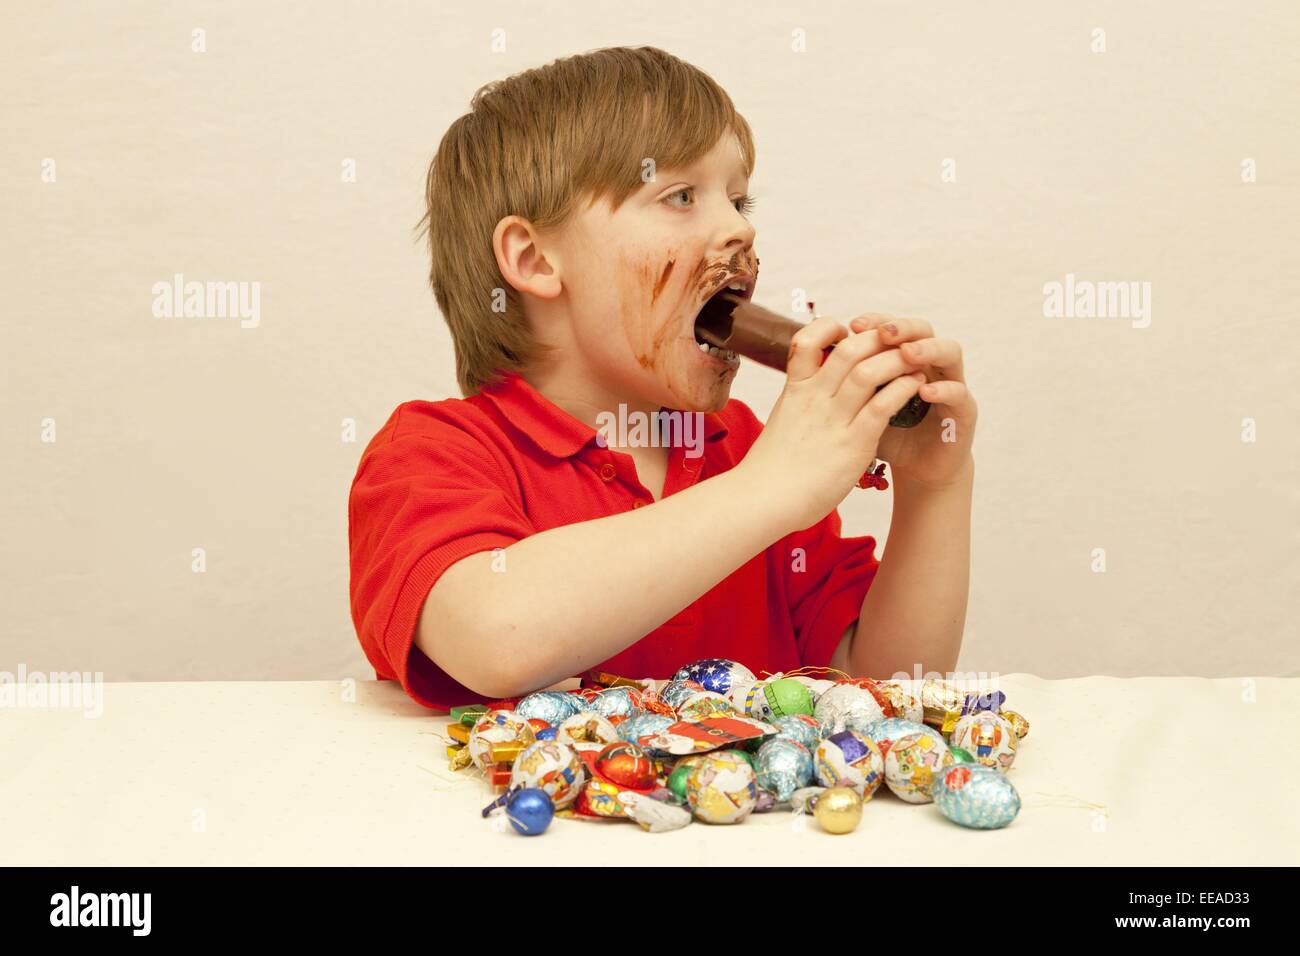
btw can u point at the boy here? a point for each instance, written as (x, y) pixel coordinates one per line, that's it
(579, 218)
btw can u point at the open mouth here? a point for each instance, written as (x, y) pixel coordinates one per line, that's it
(713, 321)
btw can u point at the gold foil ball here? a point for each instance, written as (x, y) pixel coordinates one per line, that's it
(838, 810)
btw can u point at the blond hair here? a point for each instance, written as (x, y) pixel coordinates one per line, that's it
(532, 145)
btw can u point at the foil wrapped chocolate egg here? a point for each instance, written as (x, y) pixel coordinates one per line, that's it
(704, 703)
(988, 737)
(849, 759)
(913, 764)
(587, 727)
(783, 766)
(816, 685)
(551, 767)
(722, 788)
(616, 702)
(716, 674)
(976, 796)
(552, 706)
(888, 729)
(906, 705)
(676, 691)
(801, 728)
(787, 697)
(494, 728)
(626, 765)
(643, 725)
(847, 707)
(753, 703)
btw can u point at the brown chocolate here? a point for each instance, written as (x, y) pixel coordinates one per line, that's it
(764, 336)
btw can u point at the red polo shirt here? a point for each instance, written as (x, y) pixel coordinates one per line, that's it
(444, 480)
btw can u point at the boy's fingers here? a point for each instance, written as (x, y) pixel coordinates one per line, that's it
(807, 345)
(886, 403)
(938, 353)
(895, 329)
(945, 392)
(868, 320)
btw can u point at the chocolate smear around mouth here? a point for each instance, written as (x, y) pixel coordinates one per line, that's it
(729, 321)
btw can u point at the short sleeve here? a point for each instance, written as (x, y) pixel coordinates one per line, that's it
(826, 588)
(418, 505)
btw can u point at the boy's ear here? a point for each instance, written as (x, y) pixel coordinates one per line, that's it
(522, 260)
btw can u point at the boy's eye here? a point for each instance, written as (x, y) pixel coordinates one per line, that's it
(684, 191)
(744, 204)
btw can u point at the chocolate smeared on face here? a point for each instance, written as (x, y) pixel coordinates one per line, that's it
(663, 280)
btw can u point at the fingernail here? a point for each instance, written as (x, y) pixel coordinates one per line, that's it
(891, 329)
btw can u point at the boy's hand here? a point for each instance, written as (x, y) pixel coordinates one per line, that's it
(937, 452)
(827, 424)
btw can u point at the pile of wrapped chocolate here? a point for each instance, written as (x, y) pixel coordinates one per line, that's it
(716, 744)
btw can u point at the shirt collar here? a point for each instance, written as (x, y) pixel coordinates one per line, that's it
(550, 427)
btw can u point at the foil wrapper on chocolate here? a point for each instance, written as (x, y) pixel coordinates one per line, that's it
(913, 764)
(588, 727)
(703, 703)
(493, 729)
(616, 702)
(847, 707)
(800, 728)
(644, 725)
(722, 788)
(552, 767)
(885, 731)
(552, 706)
(944, 703)
(988, 737)
(783, 766)
(902, 700)
(676, 691)
(849, 759)
(1018, 723)
(974, 796)
(716, 674)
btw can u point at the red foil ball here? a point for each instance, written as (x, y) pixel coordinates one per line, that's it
(626, 765)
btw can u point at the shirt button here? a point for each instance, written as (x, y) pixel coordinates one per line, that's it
(607, 471)
(638, 503)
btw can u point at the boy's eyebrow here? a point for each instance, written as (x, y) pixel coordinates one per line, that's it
(738, 171)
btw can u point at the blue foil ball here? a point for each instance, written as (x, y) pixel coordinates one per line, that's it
(530, 811)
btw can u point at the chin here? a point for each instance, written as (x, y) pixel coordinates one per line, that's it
(692, 381)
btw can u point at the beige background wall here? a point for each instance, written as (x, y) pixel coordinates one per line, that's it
(176, 434)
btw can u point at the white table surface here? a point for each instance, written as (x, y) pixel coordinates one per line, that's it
(1143, 771)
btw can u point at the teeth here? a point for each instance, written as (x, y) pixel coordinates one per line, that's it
(725, 354)
(736, 287)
